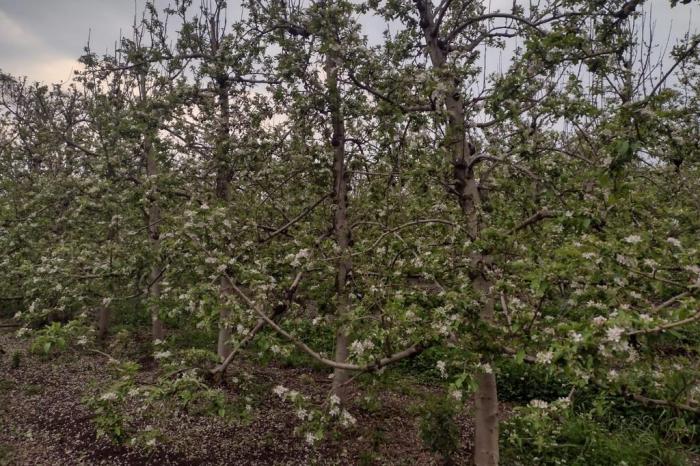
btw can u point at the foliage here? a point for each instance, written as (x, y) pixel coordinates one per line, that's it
(438, 428)
(552, 433)
(334, 198)
(56, 337)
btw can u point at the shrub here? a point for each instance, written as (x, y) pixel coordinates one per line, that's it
(553, 434)
(525, 382)
(438, 428)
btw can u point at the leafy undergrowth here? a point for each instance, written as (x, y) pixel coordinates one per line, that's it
(45, 418)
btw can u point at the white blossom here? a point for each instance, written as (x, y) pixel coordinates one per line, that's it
(162, 354)
(347, 419)
(442, 368)
(311, 438)
(633, 239)
(486, 368)
(280, 391)
(109, 396)
(674, 242)
(539, 404)
(359, 347)
(544, 357)
(614, 334)
(599, 320)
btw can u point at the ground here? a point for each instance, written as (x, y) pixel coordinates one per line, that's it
(44, 421)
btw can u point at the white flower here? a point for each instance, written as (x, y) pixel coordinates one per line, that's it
(563, 401)
(456, 394)
(347, 419)
(162, 354)
(633, 239)
(599, 320)
(486, 368)
(442, 368)
(674, 242)
(626, 261)
(151, 442)
(23, 331)
(82, 341)
(106, 301)
(280, 391)
(544, 357)
(613, 375)
(576, 337)
(302, 413)
(589, 255)
(651, 263)
(539, 404)
(614, 334)
(335, 400)
(310, 438)
(109, 396)
(359, 347)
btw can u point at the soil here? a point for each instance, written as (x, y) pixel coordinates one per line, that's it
(44, 421)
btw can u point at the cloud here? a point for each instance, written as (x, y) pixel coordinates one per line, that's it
(25, 54)
(12, 34)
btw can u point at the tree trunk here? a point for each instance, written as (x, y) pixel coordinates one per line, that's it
(153, 225)
(486, 434)
(223, 347)
(102, 322)
(462, 153)
(341, 227)
(223, 193)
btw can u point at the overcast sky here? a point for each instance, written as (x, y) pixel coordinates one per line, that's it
(42, 39)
